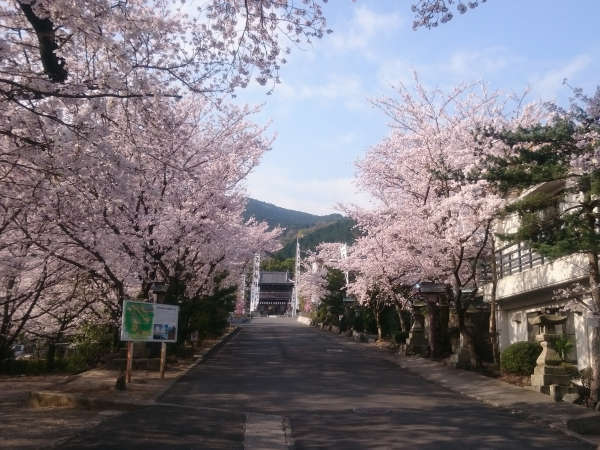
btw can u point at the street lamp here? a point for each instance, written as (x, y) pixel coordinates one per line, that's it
(158, 289)
(429, 287)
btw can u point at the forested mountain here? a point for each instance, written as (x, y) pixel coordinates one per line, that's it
(339, 231)
(312, 228)
(275, 215)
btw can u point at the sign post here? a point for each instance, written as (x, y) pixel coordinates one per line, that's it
(163, 358)
(129, 361)
(148, 322)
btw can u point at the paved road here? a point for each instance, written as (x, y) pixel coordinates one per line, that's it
(312, 390)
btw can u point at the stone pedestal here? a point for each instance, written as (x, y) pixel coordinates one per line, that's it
(548, 370)
(416, 343)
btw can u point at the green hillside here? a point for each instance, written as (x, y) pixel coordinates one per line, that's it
(314, 229)
(275, 215)
(339, 231)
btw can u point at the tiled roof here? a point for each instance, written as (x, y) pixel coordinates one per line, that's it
(274, 278)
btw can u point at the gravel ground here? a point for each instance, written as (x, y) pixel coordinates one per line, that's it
(27, 428)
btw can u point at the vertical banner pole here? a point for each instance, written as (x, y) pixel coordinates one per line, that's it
(163, 358)
(129, 361)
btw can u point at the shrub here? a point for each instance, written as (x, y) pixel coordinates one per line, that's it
(519, 358)
(31, 367)
(563, 345)
(400, 337)
(92, 342)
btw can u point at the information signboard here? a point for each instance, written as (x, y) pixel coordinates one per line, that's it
(149, 322)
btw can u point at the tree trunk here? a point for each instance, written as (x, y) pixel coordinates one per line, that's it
(594, 277)
(493, 325)
(4, 338)
(378, 322)
(403, 319)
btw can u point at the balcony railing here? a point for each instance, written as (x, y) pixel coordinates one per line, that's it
(516, 258)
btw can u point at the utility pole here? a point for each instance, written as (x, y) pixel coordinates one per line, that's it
(242, 292)
(296, 278)
(344, 256)
(255, 289)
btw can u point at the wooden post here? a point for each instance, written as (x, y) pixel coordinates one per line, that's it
(163, 358)
(129, 361)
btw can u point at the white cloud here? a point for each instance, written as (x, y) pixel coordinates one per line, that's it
(365, 26)
(474, 63)
(461, 65)
(548, 85)
(394, 71)
(317, 196)
(347, 89)
(337, 87)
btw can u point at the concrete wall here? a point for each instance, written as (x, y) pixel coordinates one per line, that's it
(304, 320)
(512, 326)
(560, 271)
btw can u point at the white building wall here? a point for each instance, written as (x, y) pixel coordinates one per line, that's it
(528, 291)
(512, 326)
(582, 333)
(562, 270)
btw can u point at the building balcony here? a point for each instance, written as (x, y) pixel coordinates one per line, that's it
(522, 271)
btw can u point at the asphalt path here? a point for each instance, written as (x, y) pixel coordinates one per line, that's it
(324, 391)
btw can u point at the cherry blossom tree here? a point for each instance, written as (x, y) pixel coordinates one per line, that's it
(380, 277)
(430, 13)
(119, 160)
(433, 216)
(167, 205)
(312, 280)
(99, 48)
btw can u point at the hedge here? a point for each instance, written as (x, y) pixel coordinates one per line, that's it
(519, 358)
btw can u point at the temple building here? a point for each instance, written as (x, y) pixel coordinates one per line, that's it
(275, 296)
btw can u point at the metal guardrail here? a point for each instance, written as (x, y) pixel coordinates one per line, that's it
(515, 258)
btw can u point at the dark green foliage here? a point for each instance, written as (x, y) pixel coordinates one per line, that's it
(563, 345)
(90, 344)
(294, 222)
(274, 215)
(539, 154)
(276, 264)
(87, 347)
(390, 323)
(40, 366)
(332, 304)
(25, 367)
(360, 318)
(400, 337)
(544, 153)
(206, 314)
(519, 358)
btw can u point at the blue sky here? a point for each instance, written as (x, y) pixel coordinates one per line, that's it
(321, 114)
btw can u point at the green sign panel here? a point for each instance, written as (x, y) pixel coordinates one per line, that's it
(149, 322)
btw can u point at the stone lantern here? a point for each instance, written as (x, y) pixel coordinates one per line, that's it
(416, 343)
(548, 370)
(158, 289)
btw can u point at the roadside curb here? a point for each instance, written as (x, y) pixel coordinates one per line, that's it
(563, 426)
(567, 426)
(57, 399)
